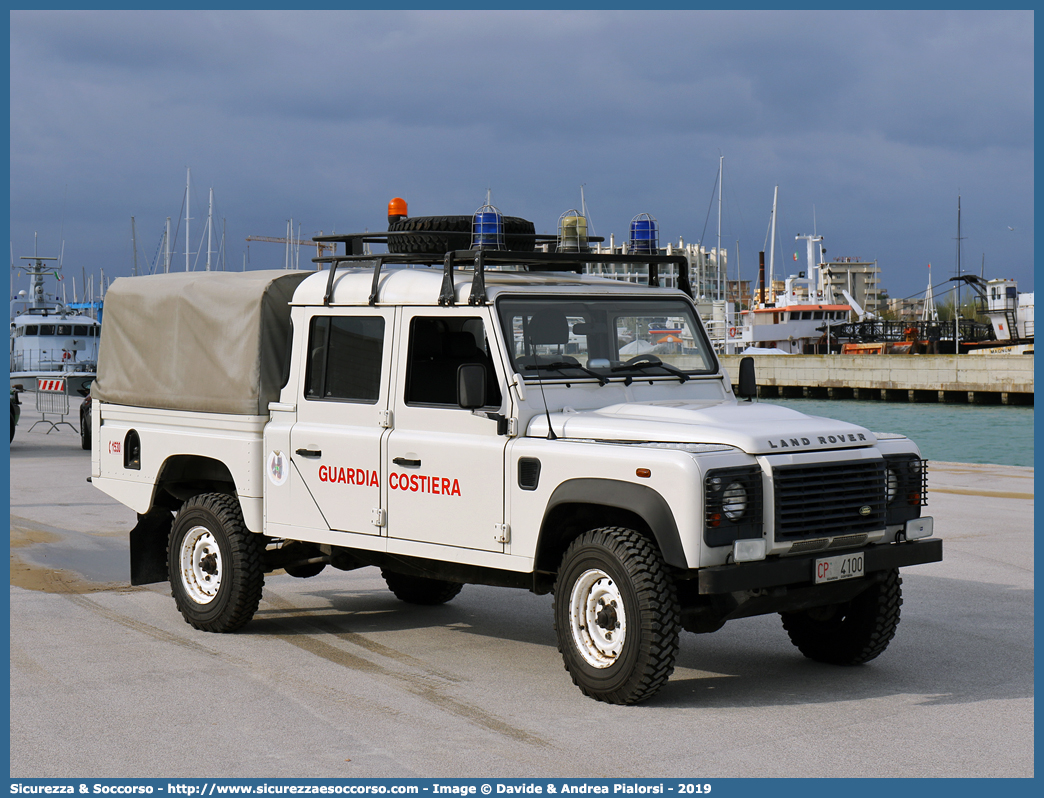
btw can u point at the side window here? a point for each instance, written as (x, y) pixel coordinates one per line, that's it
(438, 346)
(344, 358)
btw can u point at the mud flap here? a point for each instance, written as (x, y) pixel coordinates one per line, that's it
(148, 547)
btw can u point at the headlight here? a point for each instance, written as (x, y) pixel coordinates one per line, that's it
(906, 483)
(732, 505)
(734, 501)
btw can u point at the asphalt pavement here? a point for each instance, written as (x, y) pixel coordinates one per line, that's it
(336, 678)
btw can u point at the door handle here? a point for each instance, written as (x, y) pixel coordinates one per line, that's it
(403, 461)
(310, 452)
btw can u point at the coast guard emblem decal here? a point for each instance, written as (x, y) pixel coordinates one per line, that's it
(278, 468)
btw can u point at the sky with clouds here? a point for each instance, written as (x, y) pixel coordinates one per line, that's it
(871, 124)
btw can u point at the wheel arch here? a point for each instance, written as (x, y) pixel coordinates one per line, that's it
(180, 477)
(183, 476)
(578, 505)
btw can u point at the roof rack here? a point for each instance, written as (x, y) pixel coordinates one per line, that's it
(531, 261)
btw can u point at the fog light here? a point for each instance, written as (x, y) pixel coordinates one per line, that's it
(748, 550)
(919, 528)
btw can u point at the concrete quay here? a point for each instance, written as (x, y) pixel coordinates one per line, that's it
(335, 678)
(970, 378)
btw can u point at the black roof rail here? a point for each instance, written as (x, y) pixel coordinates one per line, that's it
(530, 261)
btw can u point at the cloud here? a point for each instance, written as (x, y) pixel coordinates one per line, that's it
(877, 119)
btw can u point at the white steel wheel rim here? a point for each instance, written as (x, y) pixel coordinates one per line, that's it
(200, 560)
(597, 619)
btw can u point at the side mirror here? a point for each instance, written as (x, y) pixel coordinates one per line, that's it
(471, 385)
(748, 384)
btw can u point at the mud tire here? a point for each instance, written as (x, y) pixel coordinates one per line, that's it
(85, 430)
(624, 567)
(853, 632)
(441, 234)
(215, 564)
(420, 589)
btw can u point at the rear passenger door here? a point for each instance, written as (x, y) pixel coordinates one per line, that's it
(445, 464)
(335, 445)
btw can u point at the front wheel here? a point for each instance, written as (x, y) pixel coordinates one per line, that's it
(216, 565)
(616, 616)
(852, 632)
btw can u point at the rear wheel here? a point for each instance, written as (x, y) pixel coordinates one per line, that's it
(215, 564)
(616, 616)
(85, 430)
(852, 632)
(420, 589)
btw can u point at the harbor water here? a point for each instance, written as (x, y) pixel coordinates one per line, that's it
(958, 433)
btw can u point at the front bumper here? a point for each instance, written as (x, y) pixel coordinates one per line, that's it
(798, 570)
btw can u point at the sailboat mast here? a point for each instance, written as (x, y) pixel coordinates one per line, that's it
(717, 259)
(772, 241)
(957, 307)
(188, 197)
(210, 228)
(134, 245)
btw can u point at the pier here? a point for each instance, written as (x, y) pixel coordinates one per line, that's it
(358, 674)
(970, 378)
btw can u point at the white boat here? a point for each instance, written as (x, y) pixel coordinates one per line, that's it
(50, 340)
(796, 319)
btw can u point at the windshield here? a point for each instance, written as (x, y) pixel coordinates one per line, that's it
(604, 336)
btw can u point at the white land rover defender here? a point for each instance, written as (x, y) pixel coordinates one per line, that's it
(454, 415)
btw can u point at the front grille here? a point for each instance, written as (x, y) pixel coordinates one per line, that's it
(829, 499)
(848, 541)
(809, 545)
(842, 542)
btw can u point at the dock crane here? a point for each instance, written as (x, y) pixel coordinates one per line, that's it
(320, 246)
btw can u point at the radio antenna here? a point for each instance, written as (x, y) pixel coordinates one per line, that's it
(540, 381)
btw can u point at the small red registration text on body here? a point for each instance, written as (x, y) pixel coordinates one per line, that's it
(114, 447)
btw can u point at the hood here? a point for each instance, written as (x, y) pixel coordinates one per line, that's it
(752, 427)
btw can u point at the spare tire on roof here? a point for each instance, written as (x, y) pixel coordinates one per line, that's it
(438, 234)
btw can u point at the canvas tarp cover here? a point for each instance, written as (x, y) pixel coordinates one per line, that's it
(213, 342)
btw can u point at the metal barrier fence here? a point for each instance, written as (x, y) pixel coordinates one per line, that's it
(52, 396)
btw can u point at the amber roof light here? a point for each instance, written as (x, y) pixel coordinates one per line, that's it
(397, 209)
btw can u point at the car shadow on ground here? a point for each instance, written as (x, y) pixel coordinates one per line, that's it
(949, 656)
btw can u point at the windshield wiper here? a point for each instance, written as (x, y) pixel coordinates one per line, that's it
(562, 365)
(643, 362)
